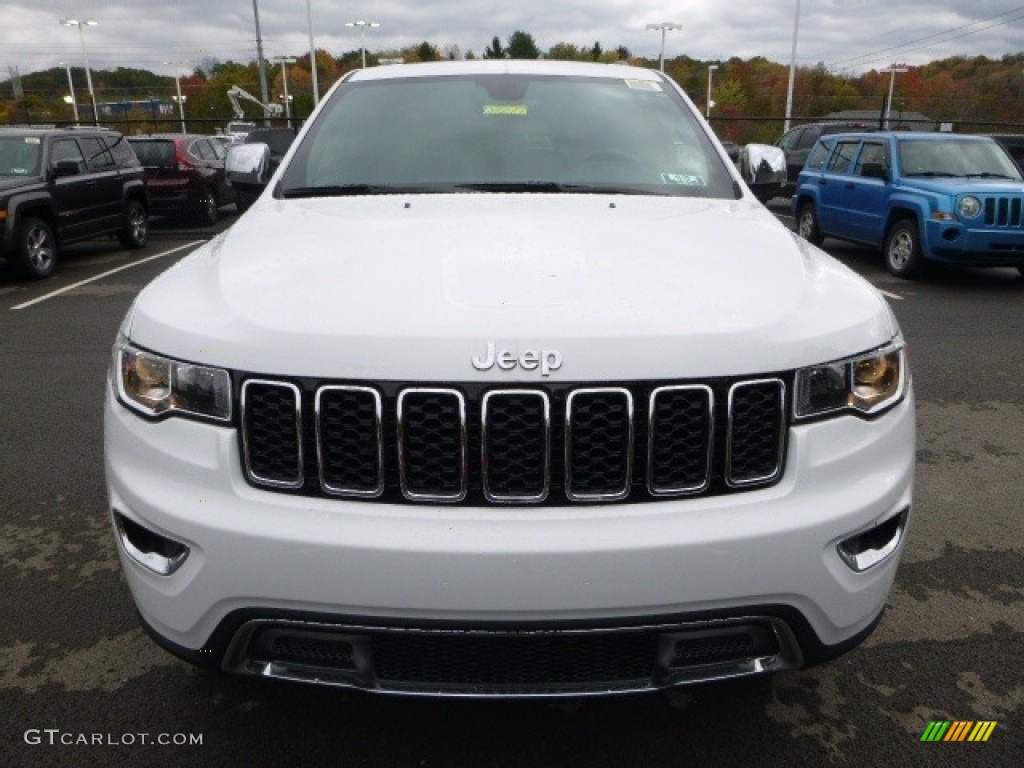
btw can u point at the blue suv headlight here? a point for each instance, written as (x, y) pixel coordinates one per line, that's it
(969, 207)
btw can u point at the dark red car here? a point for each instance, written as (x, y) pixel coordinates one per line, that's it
(184, 174)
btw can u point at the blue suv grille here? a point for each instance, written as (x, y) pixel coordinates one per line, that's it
(1003, 211)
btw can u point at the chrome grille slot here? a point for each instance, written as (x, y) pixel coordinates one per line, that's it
(432, 444)
(349, 440)
(515, 439)
(272, 433)
(598, 444)
(756, 435)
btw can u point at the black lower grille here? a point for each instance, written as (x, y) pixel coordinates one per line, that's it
(487, 662)
(555, 444)
(514, 660)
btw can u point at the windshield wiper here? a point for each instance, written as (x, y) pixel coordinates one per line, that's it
(987, 175)
(343, 190)
(549, 187)
(932, 174)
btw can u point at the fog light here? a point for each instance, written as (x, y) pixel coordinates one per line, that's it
(868, 548)
(150, 550)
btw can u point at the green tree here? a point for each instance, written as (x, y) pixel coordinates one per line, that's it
(494, 50)
(427, 52)
(521, 45)
(565, 52)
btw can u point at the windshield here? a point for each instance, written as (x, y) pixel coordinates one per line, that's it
(507, 133)
(956, 157)
(19, 156)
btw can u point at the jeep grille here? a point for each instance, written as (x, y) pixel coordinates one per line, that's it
(1003, 211)
(553, 444)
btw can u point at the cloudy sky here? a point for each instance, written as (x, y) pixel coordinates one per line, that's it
(849, 36)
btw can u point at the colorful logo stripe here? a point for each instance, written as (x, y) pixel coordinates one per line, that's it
(958, 730)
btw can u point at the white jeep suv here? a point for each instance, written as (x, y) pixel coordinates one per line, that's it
(507, 385)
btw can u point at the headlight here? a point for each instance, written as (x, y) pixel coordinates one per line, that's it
(969, 207)
(155, 385)
(865, 384)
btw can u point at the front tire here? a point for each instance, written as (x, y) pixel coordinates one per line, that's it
(37, 248)
(135, 232)
(903, 249)
(807, 225)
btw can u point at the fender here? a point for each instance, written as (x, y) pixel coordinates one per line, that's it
(37, 198)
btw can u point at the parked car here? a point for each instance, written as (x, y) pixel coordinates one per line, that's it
(797, 143)
(278, 142)
(58, 186)
(1013, 144)
(919, 197)
(184, 174)
(732, 149)
(508, 386)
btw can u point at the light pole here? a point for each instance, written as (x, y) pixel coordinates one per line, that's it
(284, 76)
(892, 82)
(711, 68)
(262, 64)
(312, 53)
(85, 55)
(362, 34)
(181, 99)
(71, 90)
(792, 69)
(665, 26)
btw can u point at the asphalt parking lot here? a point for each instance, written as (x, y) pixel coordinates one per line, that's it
(82, 685)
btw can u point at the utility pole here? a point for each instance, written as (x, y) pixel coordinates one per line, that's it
(264, 93)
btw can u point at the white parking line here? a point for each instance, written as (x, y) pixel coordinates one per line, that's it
(80, 283)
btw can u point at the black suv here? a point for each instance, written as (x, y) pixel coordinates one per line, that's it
(61, 185)
(797, 143)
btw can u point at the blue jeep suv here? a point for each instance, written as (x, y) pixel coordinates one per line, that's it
(918, 196)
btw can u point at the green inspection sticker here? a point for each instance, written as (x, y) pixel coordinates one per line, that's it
(685, 179)
(506, 109)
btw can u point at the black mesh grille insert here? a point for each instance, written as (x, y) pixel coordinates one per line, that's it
(514, 660)
(516, 445)
(349, 440)
(598, 454)
(432, 444)
(755, 437)
(680, 439)
(271, 425)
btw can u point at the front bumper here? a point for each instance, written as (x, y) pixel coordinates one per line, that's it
(257, 559)
(979, 247)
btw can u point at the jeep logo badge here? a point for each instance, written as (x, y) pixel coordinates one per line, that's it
(547, 360)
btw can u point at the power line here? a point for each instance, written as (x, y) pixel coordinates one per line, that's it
(907, 45)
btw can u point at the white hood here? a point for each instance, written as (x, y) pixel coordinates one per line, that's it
(412, 287)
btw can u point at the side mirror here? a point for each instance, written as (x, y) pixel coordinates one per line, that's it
(763, 164)
(248, 165)
(763, 167)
